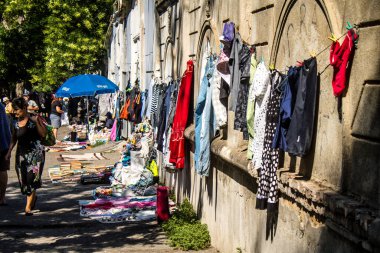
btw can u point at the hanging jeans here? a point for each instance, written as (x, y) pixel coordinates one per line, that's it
(203, 113)
(300, 133)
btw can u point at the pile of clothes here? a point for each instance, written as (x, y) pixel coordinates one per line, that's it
(131, 195)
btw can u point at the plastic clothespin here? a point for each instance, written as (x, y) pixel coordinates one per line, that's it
(313, 53)
(349, 26)
(299, 63)
(332, 37)
(262, 59)
(271, 66)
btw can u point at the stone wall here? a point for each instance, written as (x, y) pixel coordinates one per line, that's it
(330, 199)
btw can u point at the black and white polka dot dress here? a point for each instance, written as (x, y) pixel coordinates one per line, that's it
(267, 195)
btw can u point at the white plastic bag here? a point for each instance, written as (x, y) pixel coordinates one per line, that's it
(64, 119)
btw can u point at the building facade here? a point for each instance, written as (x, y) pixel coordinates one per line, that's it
(330, 199)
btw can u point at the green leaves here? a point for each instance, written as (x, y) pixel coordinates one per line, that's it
(45, 42)
(185, 231)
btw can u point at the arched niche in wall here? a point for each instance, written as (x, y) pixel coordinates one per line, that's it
(206, 46)
(168, 62)
(304, 26)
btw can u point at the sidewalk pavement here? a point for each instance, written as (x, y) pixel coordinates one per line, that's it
(56, 225)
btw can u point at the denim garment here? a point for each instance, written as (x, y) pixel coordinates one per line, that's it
(201, 101)
(204, 121)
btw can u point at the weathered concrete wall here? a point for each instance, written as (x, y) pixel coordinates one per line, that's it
(345, 153)
(330, 199)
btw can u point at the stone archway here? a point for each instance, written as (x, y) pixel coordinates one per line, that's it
(206, 43)
(168, 62)
(304, 26)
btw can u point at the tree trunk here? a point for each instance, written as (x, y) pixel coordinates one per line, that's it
(19, 89)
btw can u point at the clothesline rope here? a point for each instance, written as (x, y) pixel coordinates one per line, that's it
(344, 34)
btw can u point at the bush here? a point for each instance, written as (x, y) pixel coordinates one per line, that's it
(185, 231)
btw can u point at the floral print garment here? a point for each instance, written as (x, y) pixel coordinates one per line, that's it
(30, 157)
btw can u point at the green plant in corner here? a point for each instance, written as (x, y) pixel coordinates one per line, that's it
(184, 229)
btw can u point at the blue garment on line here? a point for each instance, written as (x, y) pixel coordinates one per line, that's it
(286, 109)
(5, 132)
(204, 121)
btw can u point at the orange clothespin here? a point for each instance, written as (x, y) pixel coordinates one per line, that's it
(313, 53)
(332, 37)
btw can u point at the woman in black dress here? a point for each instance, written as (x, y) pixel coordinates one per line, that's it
(30, 154)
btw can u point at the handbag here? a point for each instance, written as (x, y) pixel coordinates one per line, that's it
(49, 139)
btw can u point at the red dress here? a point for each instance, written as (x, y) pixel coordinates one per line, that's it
(177, 139)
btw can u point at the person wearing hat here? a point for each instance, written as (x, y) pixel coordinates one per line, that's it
(32, 105)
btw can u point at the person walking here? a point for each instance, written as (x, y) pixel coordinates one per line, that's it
(55, 115)
(5, 139)
(32, 105)
(30, 153)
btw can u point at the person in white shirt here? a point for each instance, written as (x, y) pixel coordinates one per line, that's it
(32, 105)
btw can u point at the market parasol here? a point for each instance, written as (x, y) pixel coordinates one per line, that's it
(86, 85)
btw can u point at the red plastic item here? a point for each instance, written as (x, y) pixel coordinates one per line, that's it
(162, 211)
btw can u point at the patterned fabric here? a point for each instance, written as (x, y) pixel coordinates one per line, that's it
(240, 122)
(267, 190)
(161, 89)
(261, 91)
(251, 108)
(149, 99)
(219, 102)
(154, 102)
(173, 103)
(30, 157)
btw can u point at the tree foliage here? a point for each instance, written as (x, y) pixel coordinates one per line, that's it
(21, 38)
(44, 42)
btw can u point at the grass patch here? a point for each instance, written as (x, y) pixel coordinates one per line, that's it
(98, 143)
(185, 231)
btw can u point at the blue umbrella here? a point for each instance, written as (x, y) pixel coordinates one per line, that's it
(86, 85)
